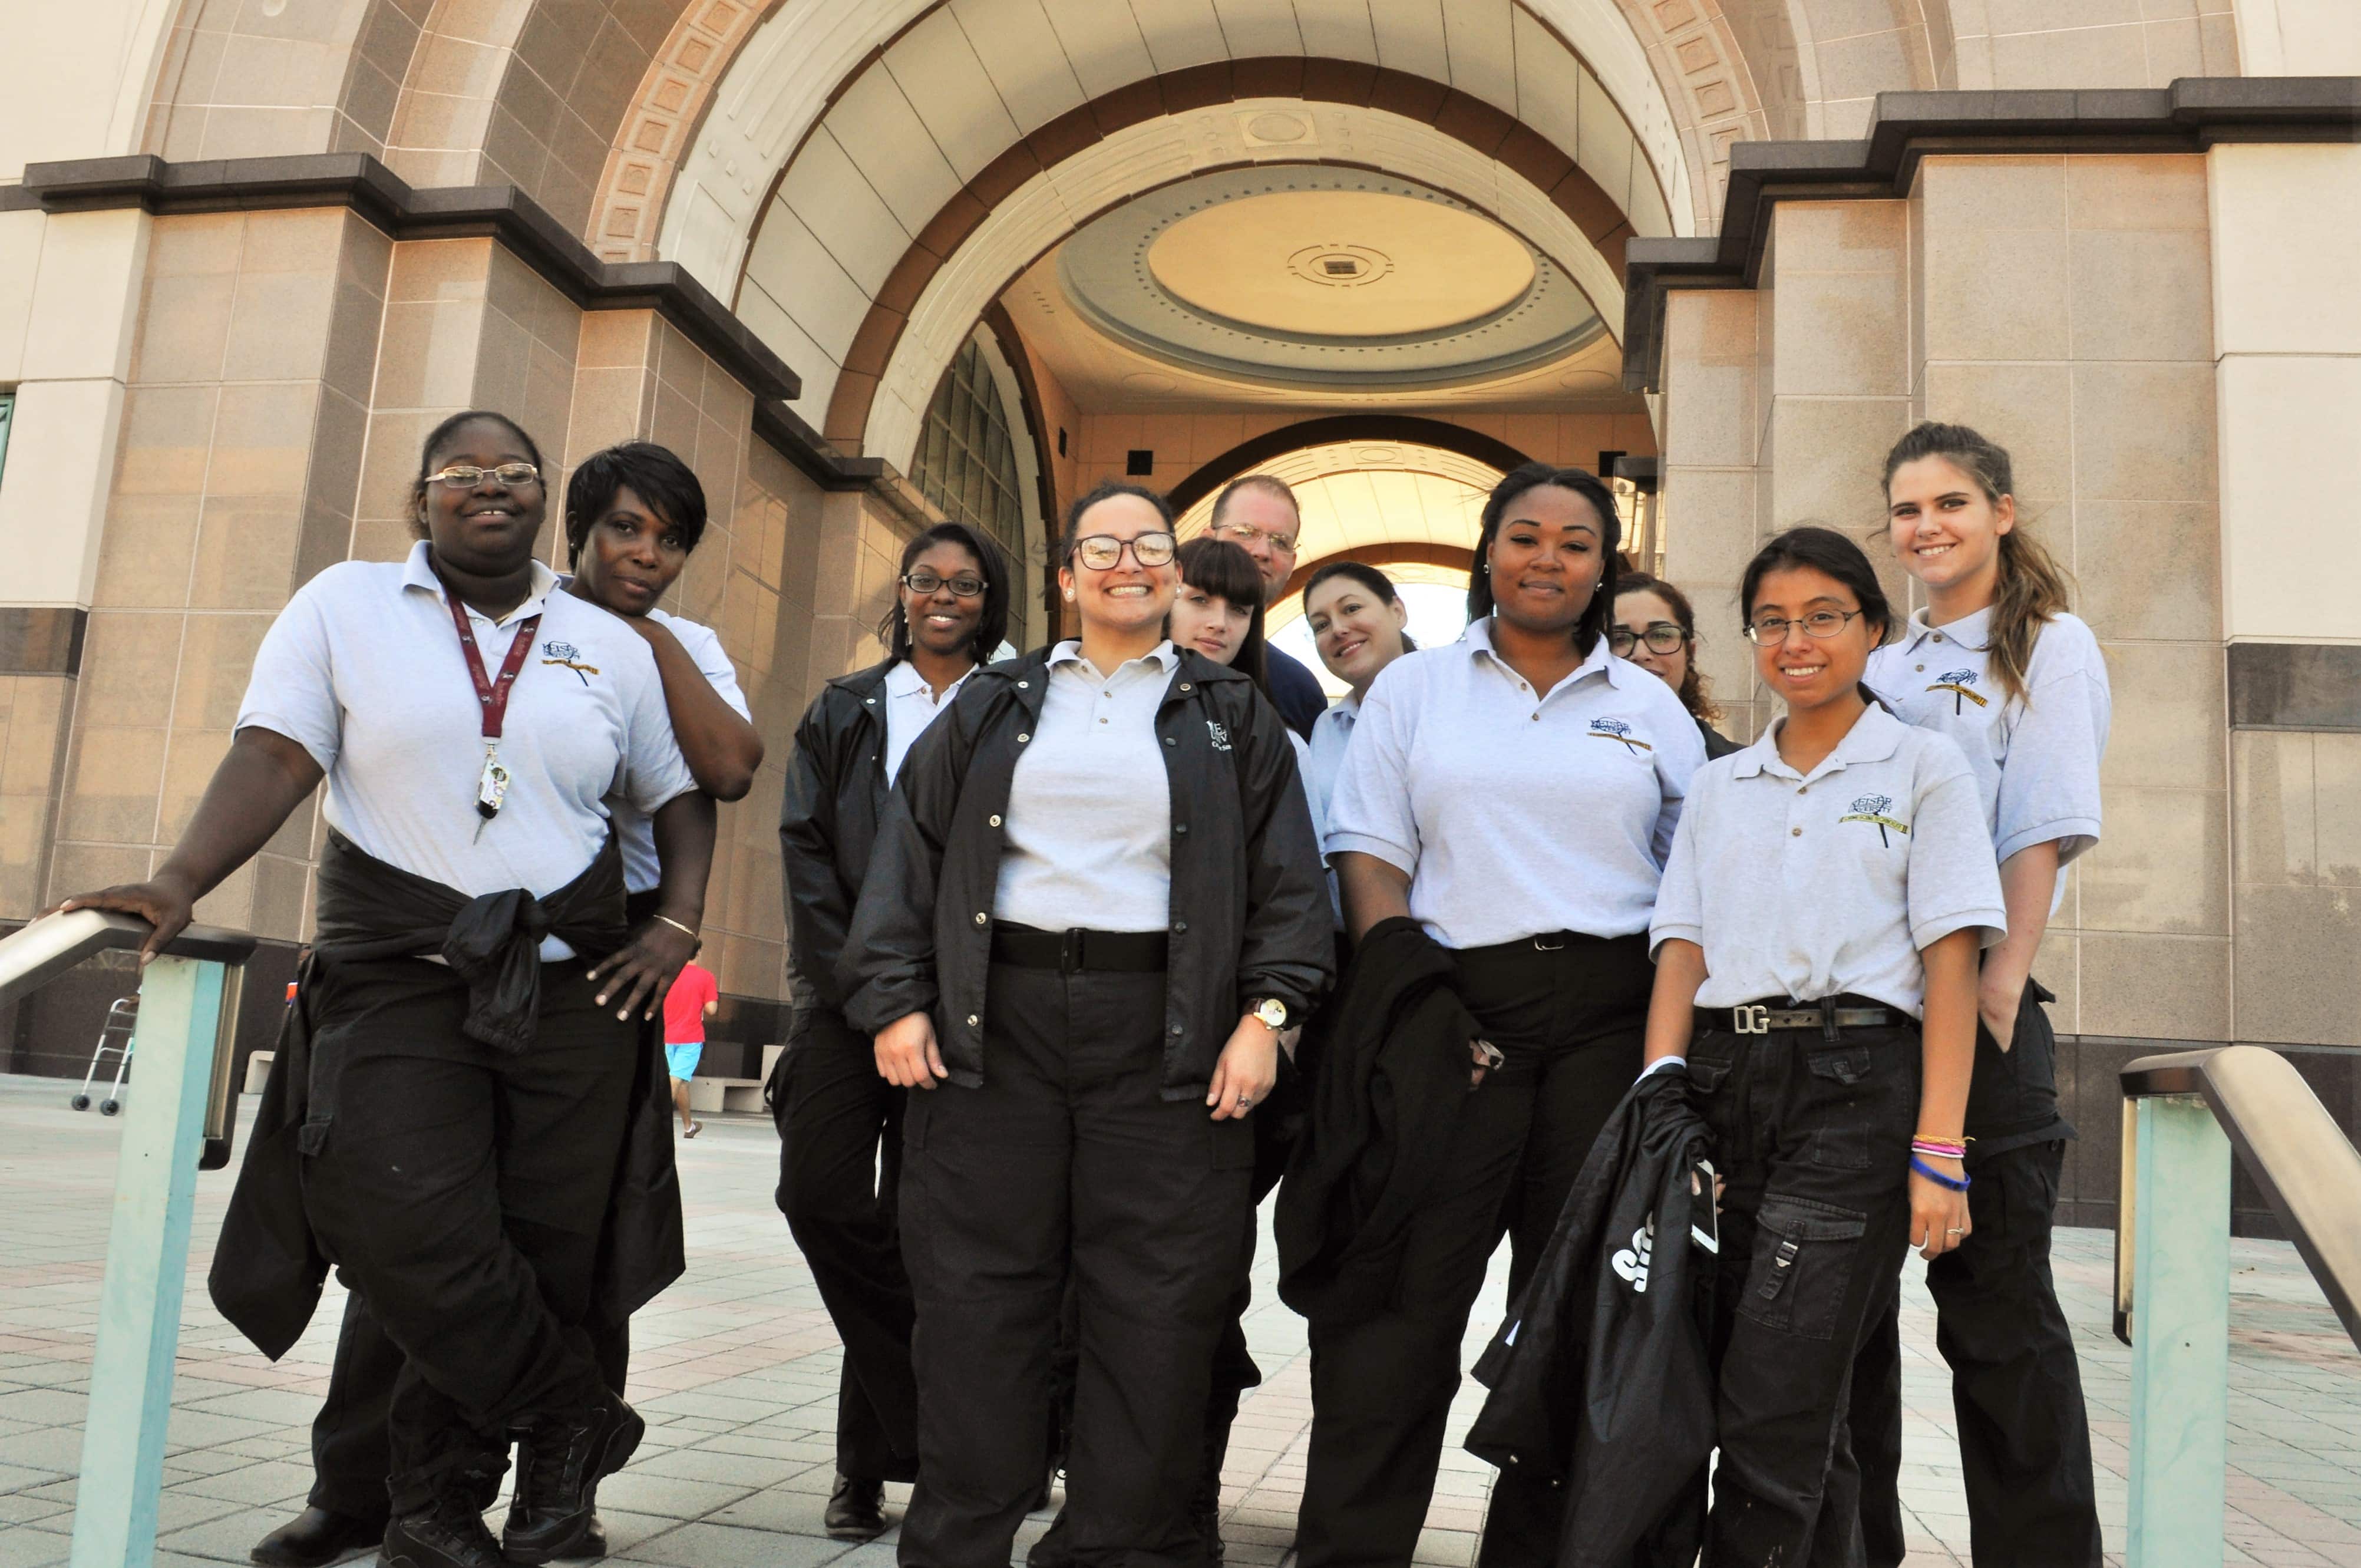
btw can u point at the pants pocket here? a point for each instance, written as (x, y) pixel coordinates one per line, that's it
(1838, 1108)
(1804, 1254)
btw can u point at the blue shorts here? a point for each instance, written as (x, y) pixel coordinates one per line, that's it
(681, 1061)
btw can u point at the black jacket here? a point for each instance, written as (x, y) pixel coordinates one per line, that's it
(827, 823)
(1716, 744)
(1600, 1375)
(1388, 1064)
(268, 1266)
(1249, 906)
(1294, 691)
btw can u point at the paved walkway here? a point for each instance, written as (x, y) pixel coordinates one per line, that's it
(735, 1370)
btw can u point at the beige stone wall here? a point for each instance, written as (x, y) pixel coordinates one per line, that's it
(2062, 305)
(284, 371)
(2030, 44)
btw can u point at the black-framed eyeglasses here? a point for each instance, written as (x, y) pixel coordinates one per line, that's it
(966, 585)
(466, 475)
(1770, 631)
(1660, 636)
(1102, 552)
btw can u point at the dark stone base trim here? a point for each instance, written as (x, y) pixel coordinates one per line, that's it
(41, 640)
(2295, 685)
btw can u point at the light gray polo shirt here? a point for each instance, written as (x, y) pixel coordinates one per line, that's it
(911, 705)
(1089, 837)
(1516, 814)
(363, 669)
(703, 645)
(1811, 885)
(2036, 757)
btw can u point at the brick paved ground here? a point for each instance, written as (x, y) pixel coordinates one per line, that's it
(735, 1369)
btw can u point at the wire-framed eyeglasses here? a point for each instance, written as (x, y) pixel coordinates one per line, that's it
(1770, 631)
(466, 475)
(1102, 551)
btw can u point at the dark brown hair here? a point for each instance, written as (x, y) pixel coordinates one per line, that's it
(1225, 570)
(1105, 490)
(1369, 578)
(2033, 587)
(1694, 688)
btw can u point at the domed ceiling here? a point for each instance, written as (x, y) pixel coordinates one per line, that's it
(1326, 278)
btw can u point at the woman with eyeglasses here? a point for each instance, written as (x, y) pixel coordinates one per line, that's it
(1513, 795)
(453, 1100)
(1656, 629)
(1093, 908)
(840, 1123)
(1816, 943)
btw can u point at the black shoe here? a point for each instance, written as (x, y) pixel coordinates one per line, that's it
(561, 1459)
(593, 1544)
(856, 1509)
(316, 1537)
(449, 1536)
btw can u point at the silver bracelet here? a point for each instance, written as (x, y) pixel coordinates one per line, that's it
(679, 927)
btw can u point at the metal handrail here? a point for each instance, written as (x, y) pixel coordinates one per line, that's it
(2184, 1117)
(176, 1124)
(46, 948)
(2288, 1143)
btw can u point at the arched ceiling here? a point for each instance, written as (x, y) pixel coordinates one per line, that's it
(936, 89)
(1359, 494)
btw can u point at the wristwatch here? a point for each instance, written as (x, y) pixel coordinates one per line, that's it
(1271, 1012)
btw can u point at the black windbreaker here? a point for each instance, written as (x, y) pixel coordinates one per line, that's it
(1601, 1375)
(828, 822)
(1250, 904)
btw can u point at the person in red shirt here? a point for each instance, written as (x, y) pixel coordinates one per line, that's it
(694, 996)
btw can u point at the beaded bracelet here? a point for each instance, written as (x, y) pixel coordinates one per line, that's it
(1955, 1183)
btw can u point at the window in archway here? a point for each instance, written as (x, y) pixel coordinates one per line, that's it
(967, 466)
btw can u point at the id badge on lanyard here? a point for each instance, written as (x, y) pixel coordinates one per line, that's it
(492, 696)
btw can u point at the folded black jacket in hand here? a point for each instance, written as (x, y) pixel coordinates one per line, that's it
(1389, 1066)
(1600, 1375)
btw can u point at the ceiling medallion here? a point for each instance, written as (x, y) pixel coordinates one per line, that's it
(1340, 265)
(1209, 275)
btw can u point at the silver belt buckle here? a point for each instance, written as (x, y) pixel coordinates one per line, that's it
(1542, 944)
(1750, 1020)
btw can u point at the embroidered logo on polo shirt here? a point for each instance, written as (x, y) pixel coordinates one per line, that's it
(568, 655)
(1957, 683)
(1218, 735)
(1618, 730)
(1873, 808)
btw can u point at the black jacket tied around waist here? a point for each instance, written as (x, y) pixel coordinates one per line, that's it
(268, 1266)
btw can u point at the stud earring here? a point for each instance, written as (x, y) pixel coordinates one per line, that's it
(1069, 596)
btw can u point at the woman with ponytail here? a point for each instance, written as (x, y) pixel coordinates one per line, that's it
(1995, 662)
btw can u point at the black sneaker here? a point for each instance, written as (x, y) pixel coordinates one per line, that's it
(561, 1459)
(445, 1537)
(856, 1508)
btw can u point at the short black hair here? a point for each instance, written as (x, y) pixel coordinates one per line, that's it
(1825, 551)
(442, 433)
(655, 474)
(990, 627)
(1599, 613)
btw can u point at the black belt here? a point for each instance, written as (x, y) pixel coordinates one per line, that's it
(1821, 1017)
(1074, 951)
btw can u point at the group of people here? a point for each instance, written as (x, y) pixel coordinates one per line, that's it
(1080, 939)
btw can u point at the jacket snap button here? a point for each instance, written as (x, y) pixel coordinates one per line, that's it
(1176, 1029)
(1022, 738)
(1024, 685)
(982, 918)
(996, 822)
(1179, 827)
(1184, 686)
(1180, 925)
(1169, 742)
(972, 1020)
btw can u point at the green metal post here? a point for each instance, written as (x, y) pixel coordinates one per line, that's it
(147, 1266)
(2181, 1336)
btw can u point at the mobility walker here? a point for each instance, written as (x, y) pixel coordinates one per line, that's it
(114, 1036)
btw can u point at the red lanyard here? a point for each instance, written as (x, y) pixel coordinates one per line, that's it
(493, 694)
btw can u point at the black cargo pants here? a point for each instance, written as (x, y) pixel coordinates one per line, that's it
(840, 1171)
(1812, 1135)
(1068, 1157)
(464, 1190)
(2017, 1386)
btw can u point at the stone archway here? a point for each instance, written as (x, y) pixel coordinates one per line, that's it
(1406, 429)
